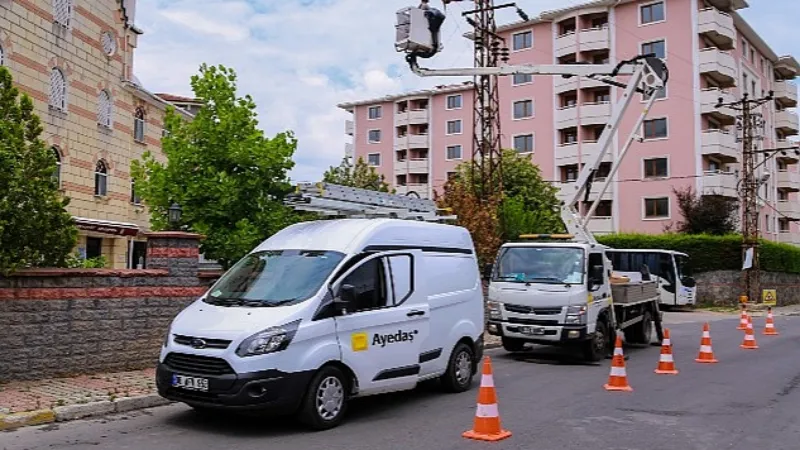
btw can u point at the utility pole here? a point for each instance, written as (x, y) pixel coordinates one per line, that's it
(750, 132)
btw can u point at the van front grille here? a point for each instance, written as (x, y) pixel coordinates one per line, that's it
(199, 365)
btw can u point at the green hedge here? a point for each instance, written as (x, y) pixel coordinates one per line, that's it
(709, 253)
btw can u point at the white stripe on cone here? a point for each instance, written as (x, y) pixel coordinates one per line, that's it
(705, 349)
(706, 334)
(667, 342)
(618, 372)
(487, 381)
(618, 351)
(487, 411)
(666, 358)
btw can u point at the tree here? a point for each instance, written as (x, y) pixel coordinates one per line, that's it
(528, 205)
(706, 214)
(361, 175)
(229, 178)
(35, 227)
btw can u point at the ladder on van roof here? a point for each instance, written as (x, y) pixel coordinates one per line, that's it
(345, 201)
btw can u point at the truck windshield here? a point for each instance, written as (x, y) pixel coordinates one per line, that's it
(553, 265)
(273, 278)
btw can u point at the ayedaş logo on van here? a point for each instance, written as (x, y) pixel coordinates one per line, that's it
(400, 336)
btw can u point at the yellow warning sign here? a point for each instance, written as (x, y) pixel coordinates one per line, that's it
(769, 297)
(359, 342)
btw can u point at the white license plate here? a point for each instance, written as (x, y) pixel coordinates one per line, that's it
(190, 383)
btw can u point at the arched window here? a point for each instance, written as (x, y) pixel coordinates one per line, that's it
(58, 90)
(62, 12)
(104, 109)
(57, 156)
(138, 124)
(101, 178)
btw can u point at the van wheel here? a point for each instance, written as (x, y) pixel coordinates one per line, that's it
(460, 369)
(325, 401)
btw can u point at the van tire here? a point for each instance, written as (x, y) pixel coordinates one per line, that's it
(455, 379)
(325, 380)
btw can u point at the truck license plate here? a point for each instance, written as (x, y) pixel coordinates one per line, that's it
(537, 331)
(190, 383)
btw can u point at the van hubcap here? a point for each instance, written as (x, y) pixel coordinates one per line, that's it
(330, 397)
(463, 367)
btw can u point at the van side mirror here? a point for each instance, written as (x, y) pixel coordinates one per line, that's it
(487, 271)
(689, 282)
(346, 297)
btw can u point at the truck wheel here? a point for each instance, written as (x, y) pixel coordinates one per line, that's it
(595, 349)
(642, 333)
(513, 345)
(460, 369)
(325, 401)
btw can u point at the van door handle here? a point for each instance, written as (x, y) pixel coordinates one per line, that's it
(416, 313)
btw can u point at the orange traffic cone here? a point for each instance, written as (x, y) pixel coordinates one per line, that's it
(743, 319)
(618, 379)
(749, 342)
(666, 363)
(769, 328)
(487, 417)
(706, 354)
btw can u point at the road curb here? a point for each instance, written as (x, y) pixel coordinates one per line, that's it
(80, 411)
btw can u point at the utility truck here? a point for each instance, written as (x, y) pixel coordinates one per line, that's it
(558, 289)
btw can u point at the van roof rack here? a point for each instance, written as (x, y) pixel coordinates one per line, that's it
(345, 201)
(558, 237)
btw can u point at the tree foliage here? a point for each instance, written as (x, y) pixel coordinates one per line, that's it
(35, 227)
(706, 214)
(358, 175)
(229, 178)
(528, 204)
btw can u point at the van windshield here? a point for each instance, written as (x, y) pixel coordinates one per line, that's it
(553, 265)
(273, 278)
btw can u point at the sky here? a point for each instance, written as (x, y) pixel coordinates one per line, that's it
(298, 59)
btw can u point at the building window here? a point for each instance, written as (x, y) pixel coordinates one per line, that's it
(58, 90)
(109, 43)
(522, 78)
(62, 12)
(101, 179)
(135, 198)
(654, 12)
(454, 101)
(523, 143)
(139, 125)
(656, 208)
(656, 168)
(451, 175)
(744, 49)
(454, 152)
(659, 48)
(374, 136)
(374, 159)
(655, 128)
(454, 126)
(523, 40)
(57, 174)
(104, 109)
(523, 109)
(375, 112)
(2, 55)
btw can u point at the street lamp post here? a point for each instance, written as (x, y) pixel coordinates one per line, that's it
(174, 215)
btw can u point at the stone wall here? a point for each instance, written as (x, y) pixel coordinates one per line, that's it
(723, 287)
(61, 322)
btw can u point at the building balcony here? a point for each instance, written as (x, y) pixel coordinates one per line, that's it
(349, 127)
(590, 83)
(788, 156)
(786, 68)
(562, 84)
(420, 189)
(789, 208)
(412, 117)
(412, 165)
(708, 105)
(717, 27)
(786, 93)
(566, 190)
(566, 44)
(789, 181)
(789, 237)
(721, 145)
(601, 225)
(728, 4)
(349, 150)
(411, 141)
(720, 66)
(566, 117)
(595, 113)
(787, 123)
(567, 154)
(594, 39)
(720, 183)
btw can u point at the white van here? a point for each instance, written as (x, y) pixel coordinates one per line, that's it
(670, 269)
(328, 310)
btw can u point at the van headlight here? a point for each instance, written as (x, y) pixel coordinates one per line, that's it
(576, 315)
(165, 343)
(494, 309)
(271, 340)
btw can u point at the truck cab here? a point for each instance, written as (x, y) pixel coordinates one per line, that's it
(551, 294)
(670, 269)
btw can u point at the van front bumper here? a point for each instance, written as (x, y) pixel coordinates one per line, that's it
(268, 391)
(551, 334)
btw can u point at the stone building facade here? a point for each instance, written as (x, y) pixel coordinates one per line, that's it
(75, 59)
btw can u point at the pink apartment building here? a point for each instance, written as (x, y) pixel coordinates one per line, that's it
(416, 139)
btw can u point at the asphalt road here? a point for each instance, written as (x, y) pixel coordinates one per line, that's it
(746, 401)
